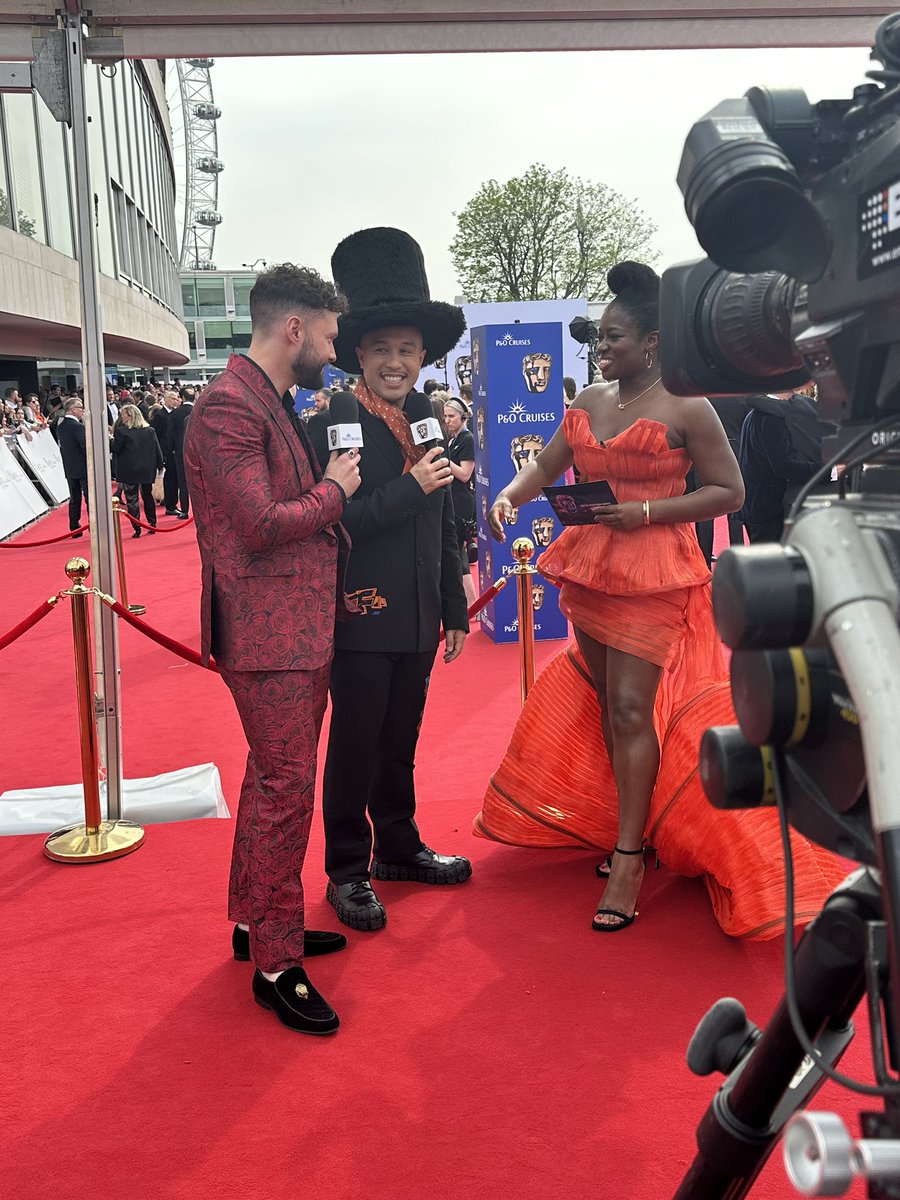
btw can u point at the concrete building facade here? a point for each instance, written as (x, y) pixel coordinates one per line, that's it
(133, 175)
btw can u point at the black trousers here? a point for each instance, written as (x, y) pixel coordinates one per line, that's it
(377, 701)
(170, 483)
(766, 531)
(131, 502)
(78, 489)
(184, 500)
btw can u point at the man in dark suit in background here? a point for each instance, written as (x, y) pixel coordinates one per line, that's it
(177, 426)
(404, 572)
(162, 425)
(71, 435)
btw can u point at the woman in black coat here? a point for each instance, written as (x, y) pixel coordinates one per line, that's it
(138, 459)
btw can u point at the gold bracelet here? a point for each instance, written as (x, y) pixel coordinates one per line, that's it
(646, 508)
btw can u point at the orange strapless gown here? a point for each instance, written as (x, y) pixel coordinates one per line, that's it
(647, 592)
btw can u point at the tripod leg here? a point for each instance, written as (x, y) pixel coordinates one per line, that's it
(744, 1121)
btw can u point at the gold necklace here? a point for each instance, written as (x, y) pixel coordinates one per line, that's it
(638, 396)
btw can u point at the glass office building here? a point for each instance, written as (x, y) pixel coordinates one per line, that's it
(216, 306)
(133, 177)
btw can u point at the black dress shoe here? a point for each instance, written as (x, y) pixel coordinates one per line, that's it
(315, 942)
(356, 904)
(424, 867)
(295, 1002)
(183, 516)
(171, 512)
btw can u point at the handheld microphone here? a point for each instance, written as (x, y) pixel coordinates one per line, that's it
(426, 429)
(344, 429)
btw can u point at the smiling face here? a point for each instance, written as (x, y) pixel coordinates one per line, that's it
(621, 349)
(391, 360)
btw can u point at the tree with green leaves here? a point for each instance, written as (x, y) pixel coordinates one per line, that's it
(25, 224)
(546, 235)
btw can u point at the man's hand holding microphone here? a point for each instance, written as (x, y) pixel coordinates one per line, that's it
(432, 471)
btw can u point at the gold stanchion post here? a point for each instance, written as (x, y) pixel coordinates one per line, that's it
(137, 609)
(523, 552)
(95, 840)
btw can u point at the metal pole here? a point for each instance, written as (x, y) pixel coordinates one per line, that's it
(523, 552)
(138, 609)
(94, 840)
(106, 664)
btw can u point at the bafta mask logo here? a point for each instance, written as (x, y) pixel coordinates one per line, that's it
(489, 564)
(422, 430)
(463, 370)
(479, 427)
(333, 438)
(542, 531)
(525, 448)
(537, 596)
(513, 516)
(536, 369)
(476, 357)
(484, 506)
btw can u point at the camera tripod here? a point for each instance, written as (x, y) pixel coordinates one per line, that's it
(770, 1078)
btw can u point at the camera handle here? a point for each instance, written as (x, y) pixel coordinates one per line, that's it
(855, 581)
(773, 1078)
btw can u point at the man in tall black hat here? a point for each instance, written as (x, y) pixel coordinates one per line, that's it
(404, 572)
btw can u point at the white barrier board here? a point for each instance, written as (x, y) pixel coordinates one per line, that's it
(181, 795)
(20, 502)
(43, 457)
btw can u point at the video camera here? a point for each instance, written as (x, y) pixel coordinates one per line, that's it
(798, 207)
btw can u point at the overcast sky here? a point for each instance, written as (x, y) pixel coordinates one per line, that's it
(316, 148)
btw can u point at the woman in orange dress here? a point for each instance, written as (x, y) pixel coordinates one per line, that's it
(637, 590)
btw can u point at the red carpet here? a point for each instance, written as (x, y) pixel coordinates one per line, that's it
(491, 1043)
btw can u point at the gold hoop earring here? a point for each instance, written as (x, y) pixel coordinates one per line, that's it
(648, 358)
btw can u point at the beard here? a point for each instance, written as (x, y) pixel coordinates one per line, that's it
(306, 371)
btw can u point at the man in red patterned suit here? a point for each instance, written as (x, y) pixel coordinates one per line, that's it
(273, 556)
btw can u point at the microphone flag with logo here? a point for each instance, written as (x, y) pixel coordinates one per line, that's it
(344, 429)
(426, 428)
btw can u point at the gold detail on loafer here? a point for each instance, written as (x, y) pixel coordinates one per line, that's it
(302, 991)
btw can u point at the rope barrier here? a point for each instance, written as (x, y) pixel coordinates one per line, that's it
(156, 528)
(154, 635)
(46, 541)
(32, 619)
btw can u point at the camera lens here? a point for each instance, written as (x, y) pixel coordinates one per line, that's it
(746, 322)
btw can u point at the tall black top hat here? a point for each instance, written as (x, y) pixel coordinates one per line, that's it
(382, 274)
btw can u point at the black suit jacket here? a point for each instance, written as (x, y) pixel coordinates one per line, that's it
(136, 455)
(177, 424)
(162, 427)
(71, 436)
(404, 568)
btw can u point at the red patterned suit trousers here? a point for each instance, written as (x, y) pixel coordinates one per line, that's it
(281, 712)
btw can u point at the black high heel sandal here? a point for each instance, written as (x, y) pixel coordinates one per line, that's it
(623, 918)
(603, 869)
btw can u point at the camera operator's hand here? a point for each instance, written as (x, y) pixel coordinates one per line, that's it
(619, 516)
(344, 470)
(432, 471)
(502, 513)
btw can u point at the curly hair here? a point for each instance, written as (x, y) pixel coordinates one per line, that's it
(284, 288)
(636, 290)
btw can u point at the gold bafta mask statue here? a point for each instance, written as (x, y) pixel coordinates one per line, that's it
(542, 531)
(479, 427)
(463, 370)
(484, 506)
(513, 516)
(537, 596)
(536, 369)
(525, 448)
(476, 358)
(489, 566)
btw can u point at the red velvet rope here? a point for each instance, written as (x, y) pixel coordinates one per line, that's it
(485, 598)
(46, 542)
(157, 528)
(161, 639)
(32, 619)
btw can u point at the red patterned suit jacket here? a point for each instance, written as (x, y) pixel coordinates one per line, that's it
(272, 550)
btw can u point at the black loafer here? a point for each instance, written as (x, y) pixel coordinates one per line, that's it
(424, 867)
(315, 942)
(357, 905)
(295, 1002)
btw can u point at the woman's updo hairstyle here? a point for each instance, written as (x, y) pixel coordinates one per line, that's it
(636, 290)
